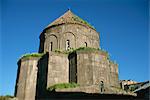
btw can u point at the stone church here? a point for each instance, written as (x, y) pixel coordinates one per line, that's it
(88, 65)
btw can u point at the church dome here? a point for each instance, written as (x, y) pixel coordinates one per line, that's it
(68, 32)
(69, 17)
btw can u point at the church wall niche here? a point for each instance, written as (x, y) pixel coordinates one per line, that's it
(51, 43)
(72, 67)
(41, 85)
(68, 41)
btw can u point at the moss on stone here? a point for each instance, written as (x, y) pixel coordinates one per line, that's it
(76, 18)
(61, 51)
(33, 55)
(81, 49)
(7, 97)
(113, 61)
(63, 86)
(89, 49)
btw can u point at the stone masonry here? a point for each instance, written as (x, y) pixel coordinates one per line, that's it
(53, 65)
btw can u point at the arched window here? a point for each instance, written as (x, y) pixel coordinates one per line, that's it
(67, 44)
(51, 46)
(85, 44)
(102, 87)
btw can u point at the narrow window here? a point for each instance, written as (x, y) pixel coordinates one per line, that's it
(85, 44)
(51, 46)
(102, 87)
(67, 45)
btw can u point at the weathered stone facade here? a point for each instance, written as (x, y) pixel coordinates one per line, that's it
(78, 34)
(58, 69)
(27, 78)
(92, 67)
(85, 67)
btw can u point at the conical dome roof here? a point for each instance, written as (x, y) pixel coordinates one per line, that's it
(69, 17)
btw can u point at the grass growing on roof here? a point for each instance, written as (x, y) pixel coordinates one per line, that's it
(80, 49)
(33, 55)
(6, 97)
(63, 86)
(76, 18)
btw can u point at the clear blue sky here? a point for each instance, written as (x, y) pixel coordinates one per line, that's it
(123, 27)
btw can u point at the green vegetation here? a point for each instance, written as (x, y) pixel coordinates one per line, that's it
(82, 49)
(114, 62)
(88, 49)
(33, 55)
(61, 51)
(62, 86)
(76, 18)
(131, 87)
(7, 97)
(66, 51)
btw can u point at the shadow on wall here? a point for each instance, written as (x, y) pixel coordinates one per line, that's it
(41, 87)
(73, 67)
(17, 79)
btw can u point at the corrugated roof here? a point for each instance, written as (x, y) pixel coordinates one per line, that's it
(69, 17)
(146, 85)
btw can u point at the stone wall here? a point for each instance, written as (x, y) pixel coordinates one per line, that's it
(41, 85)
(58, 69)
(73, 67)
(26, 79)
(36, 74)
(78, 35)
(100, 69)
(114, 74)
(84, 68)
(92, 67)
